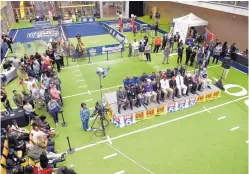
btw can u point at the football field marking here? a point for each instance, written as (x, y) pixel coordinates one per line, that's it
(235, 128)
(247, 141)
(76, 70)
(206, 109)
(79, 75)
(109, 156)
(108, 138)
(160, 124)
(89, 92)
(88, 100)
(130, 159)
(120, 172)
(220, 118)
(80, 80)
(83, 86)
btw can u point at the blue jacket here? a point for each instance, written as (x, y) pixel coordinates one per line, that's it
(135, 80)
(127, 82)
(84, 114)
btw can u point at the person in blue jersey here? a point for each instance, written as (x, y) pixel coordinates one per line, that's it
(84, 116)
(127, 83)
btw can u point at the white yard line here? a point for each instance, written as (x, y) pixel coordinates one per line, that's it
(76, 70)
(108, 138)
(247, 141)
(206, 109)
(120, 172)
(83, 86)
(89, 92)
(79, 75)
(109, 156)
(235, 128)
(88, 100)
(161, 124)
(131, 159)
(80, 80)
(220, 118)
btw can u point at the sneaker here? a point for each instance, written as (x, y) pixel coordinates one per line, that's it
(88, 129)
(52, 129)
(59, 121)
(57, 124)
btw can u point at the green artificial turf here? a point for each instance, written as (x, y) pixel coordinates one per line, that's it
(193, 144)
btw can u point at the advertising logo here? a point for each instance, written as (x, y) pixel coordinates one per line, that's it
(43, 34)
(84, 20)
(92, 52)
(90, 19)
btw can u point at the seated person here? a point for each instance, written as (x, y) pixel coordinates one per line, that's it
(188, 84)
(165, 88)
(131, 95)
(180, 85)
(196, 81)
(29, 110)
(127, 83)
(13, 161)
(153, 76)
(135, 80)
(148, 90)
(34, 152)
(144, 78)
(41, 139)
(17, 134)
(168, 73)
(182, 71)
(204, 78)
(159, 76)
(46, 163)
(157, 89)
(139, 95)
(174, 72)
(172, 84)
(122, 97)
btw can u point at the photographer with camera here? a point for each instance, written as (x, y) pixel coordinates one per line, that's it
(84, 116)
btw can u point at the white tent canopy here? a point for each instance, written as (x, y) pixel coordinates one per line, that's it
(192, 20)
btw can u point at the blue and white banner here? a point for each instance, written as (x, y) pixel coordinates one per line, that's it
(94, 51)
(66, 21)
(115, 33)
(41, 24)
(44, 34)
(87, 19)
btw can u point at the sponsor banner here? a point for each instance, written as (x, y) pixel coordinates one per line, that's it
(181, 104)
(126, 26)
(44, 34)
(94, 51)
(216, 94)
(140, 116)
(66, 21)
(150, 113)
(118, 121)
(201, 99)
(161, 110)
(209, 96)
(110, 112)
(87, 19)
(171, 107)
(115, 33)
(192, 101)
(41, 24)
(129, 119)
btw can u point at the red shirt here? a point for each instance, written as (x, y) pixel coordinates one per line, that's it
(46, 171)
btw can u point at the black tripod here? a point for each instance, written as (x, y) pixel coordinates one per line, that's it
(99, 113)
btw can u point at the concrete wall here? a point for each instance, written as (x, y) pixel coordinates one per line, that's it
(228, 27)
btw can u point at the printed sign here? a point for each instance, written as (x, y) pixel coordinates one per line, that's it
(139, 116)
(209, 96)
(216, 94)
(94, 51)
(201, 99)
(161, 110)
(47, 33)
(41, 24)
(66, 21)
(150, 113)
(181, 104)
(129, 119)
(192, 101)
(171, 107)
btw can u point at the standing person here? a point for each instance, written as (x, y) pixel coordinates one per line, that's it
(134, 30)
(141, 49)
(200, 56)
(216, 53)
(54, 109)
(224, 49)
(192, 57)
(233, 51)
(171, 43)
(57, 59)
(156, 26)
(151, 14)
(147, 52)
(8, 41)
(158, 42)
(130, 50)
(135, 46)
(165, 40)
(188, 53)
(180, 52)
(17, 98)
(84, 116)
(176, 38)
(166, 53)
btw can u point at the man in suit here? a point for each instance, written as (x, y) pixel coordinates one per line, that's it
(157, 89)
(180, 85)
(122, 98)
(171, 43)
(131, 95)
(180, 52)
(165, 40)
(172, 85)
(188, 53)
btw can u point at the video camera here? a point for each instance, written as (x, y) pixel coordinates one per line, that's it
(100, 109)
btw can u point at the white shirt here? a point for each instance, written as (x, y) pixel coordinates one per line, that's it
(135, 45)
(179, 80)
(164, 84)
(30, 84)
(37, 134)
